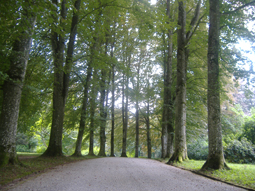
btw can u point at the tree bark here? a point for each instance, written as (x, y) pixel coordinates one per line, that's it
(92, 118)
(169, 99)
(113, 104)
(180, 152)
(148, 129)
(77, 151)
(12, 87)
(167, 118)
(137, 111)
(103, 113)
(125, 110)
(215, 159)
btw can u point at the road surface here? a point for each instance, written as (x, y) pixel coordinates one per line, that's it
(120, 174)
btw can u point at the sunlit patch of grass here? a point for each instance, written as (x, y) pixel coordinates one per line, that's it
(33, 165)
(190, 164)
(28, 154)
(240, 174)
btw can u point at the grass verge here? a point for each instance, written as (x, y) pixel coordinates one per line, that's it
(240, 174)
(32, 165)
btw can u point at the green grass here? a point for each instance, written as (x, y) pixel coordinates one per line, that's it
(32, 164)
(240, 174)
(26, 154)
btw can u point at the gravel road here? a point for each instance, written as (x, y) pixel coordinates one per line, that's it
(120, 174)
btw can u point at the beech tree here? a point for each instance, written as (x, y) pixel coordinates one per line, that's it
(61, 73)
(215, 159)
(13, 83)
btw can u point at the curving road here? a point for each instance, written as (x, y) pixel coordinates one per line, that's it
(120, 174)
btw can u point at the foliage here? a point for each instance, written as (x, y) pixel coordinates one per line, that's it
(25, 143)
(240, 152)
(249, 127)
(198, 149)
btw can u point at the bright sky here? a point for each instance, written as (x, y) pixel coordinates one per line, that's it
(153, 2)
(245, 47)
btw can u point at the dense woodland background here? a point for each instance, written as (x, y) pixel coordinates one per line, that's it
(111, 66)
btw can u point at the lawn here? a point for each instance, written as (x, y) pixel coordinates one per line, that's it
(240, 174)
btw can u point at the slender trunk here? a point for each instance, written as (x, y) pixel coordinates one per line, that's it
(215, 159)
(77, 151)
(148, 129)
(12, 87)
(92, 120)
(124, 136)
(125, 124)
(137, 110)
(103, 113)
(164, 114)
(137, 129)
(113, 103)
(180, 152)
(169, 101)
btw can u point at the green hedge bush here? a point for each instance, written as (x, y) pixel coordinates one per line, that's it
(240, 152)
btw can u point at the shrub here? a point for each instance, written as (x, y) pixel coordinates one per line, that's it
(22, 148)
(240, 152)
(198, 150)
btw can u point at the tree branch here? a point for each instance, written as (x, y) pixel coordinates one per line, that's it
(239, 8)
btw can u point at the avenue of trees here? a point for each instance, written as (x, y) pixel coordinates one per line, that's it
(127, 78)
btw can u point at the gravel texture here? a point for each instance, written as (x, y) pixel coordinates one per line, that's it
(120, 174)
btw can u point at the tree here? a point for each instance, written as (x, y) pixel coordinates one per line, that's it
(92, 116)
(167, 116)
(77, 151)
(215, 159)
(113, 102)
(180, 152)
(61, 73)
(12, 87)
(125, 97)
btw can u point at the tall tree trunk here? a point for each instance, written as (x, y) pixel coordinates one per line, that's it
(125, 110)
(77, 151)
(180, 152)
(103, 113)
(164, 114)
(92, 118)
(215, 159)
(12, 87)
(169, 100)
(148, 129)
(167, 118)
(137, 110)
(124, 135)
(113, 103)
(61, 78)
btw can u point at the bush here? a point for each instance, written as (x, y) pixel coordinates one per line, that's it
(240, 152)
(198, 150)
(22, 148)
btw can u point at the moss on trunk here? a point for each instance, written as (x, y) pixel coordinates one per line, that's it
(215, 163)
(178, 157)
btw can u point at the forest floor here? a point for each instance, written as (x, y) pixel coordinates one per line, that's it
(118, 174)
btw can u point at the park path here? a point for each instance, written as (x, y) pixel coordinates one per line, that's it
(120, 174)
